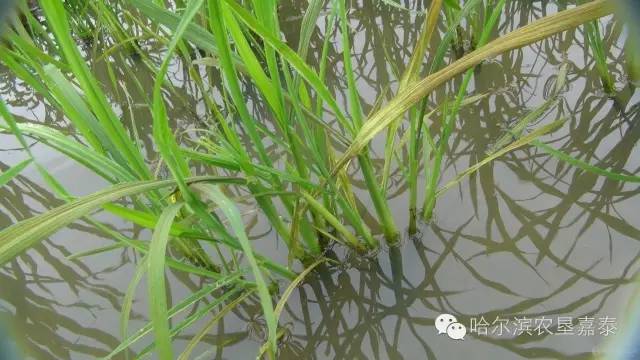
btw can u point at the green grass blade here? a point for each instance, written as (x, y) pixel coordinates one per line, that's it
(96, 99)
(309, 22)
(287, 293)
(521, 125)
(100, 250)
(145, 219)
(443, 46)
(23, 235)
(13, 171)
(12, 126)
(584, 165)
(127, 302)
(353, 97)
(157, 288)
(355, 108)
(331, 219)
(198, 315)
(394, 4)
(217, 24)
(416, 117)
(205, 329)
(252, 64)
(293, 59)
(236, 223)
(516, 144)
(193, 33)
(180, 307)
(76, 109)
(149, 221)
(143, 248)
(293, 285)
(162, 133)
(451, 116)
(92, 160)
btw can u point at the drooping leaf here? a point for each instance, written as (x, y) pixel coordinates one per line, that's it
(21, 236)
(535, 31)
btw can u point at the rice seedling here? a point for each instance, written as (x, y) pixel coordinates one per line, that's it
(599, 52)
(303, 188)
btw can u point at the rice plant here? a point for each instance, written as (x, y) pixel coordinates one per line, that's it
(295, 159)
(599, 52)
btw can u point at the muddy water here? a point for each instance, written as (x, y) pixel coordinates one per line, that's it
(527, 242)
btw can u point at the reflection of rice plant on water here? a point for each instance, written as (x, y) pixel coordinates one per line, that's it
(296, 160)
